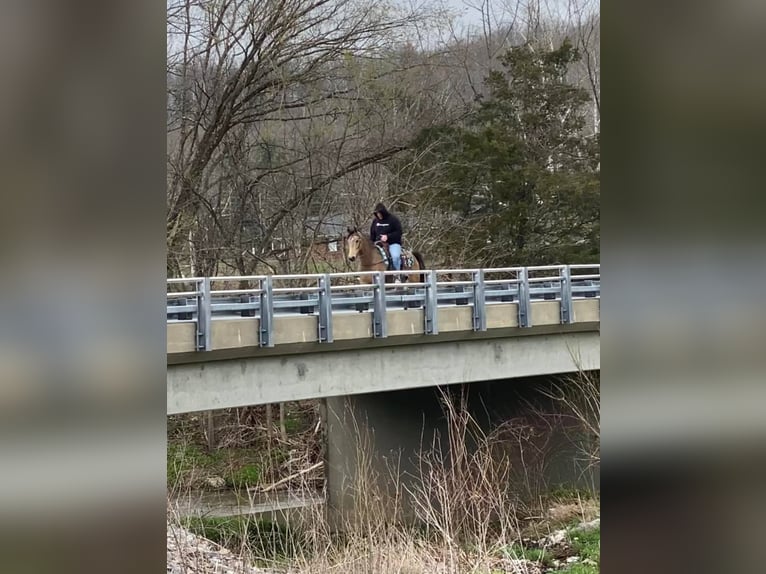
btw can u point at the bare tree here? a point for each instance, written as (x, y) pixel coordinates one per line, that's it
(271, 104)
(586, 20)
(283, 114)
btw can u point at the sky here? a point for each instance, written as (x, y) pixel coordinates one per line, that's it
(469, 13)
(471, 10)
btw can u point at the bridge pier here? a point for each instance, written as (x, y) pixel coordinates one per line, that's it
(375, 444)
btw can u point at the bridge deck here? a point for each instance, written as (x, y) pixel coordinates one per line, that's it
(272, 314)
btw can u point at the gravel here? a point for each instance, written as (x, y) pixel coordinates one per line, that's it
(192, 554)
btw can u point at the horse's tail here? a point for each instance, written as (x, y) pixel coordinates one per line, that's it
(422, 266)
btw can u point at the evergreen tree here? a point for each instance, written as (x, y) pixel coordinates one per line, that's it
(521, 177)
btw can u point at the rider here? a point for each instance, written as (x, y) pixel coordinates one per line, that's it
(387, 228)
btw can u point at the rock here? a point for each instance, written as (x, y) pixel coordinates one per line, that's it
(215, 482)
(555, 538)
(573, 559)
(594, 524)
(520, 566)
(567, 512)
(191, 554)
(559, 537)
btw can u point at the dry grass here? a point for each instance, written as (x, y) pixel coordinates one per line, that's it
(579, 397)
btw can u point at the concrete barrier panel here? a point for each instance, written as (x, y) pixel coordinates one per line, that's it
(409, 322)
(352, 326)
(295, 329)
(586, 311)
(232, 333)
(455, 319)
(500, 315)
(546, 313)
(181, 337)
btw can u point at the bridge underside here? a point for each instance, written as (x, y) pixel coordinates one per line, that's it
(378, 447)
(270, 379)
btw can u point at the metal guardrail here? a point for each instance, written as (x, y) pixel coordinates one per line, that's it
(267, 296)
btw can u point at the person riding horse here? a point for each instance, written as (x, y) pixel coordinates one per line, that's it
(387, 229)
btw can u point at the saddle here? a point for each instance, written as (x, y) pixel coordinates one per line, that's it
(385, 254)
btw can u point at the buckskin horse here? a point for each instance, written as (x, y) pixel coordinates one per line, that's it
(369, 256)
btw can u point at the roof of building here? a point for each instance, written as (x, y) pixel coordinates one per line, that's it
(329, 226)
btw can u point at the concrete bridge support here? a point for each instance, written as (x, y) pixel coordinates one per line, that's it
(376, 443)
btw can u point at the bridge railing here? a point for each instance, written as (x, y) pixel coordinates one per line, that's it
(201, 300)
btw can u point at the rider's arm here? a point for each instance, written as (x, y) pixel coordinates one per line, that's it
(372, 231)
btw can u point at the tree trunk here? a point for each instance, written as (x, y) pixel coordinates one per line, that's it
(282, 427)
(209, 421)
(269, 422)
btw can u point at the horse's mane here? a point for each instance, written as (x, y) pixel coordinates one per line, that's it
(351, 231)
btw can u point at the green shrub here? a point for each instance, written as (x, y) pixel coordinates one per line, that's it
(247, 475)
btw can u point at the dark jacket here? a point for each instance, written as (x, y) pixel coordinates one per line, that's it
(389, 225)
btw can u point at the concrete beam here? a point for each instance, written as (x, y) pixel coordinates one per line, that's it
(270, 379)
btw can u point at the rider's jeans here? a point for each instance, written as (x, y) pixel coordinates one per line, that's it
(396, 255)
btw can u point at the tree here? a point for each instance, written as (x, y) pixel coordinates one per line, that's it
(520, 183)
(263, 106)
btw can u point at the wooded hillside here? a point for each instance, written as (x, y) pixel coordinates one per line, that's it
(284, 114)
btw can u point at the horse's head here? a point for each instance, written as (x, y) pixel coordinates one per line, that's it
(353, 244)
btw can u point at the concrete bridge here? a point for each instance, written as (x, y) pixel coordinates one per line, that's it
(365, 348)
(282, 338)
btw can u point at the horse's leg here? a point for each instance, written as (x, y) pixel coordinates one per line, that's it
(412, 277)
(415, 278)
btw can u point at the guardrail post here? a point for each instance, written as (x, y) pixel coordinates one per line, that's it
(525, 315)
(203, 315)
(432, 304)
(325, 310)
(379, 327)
(479, 307)
(266, 323)
(566, 295)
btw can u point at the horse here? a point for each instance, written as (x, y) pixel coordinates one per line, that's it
(370, 257)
